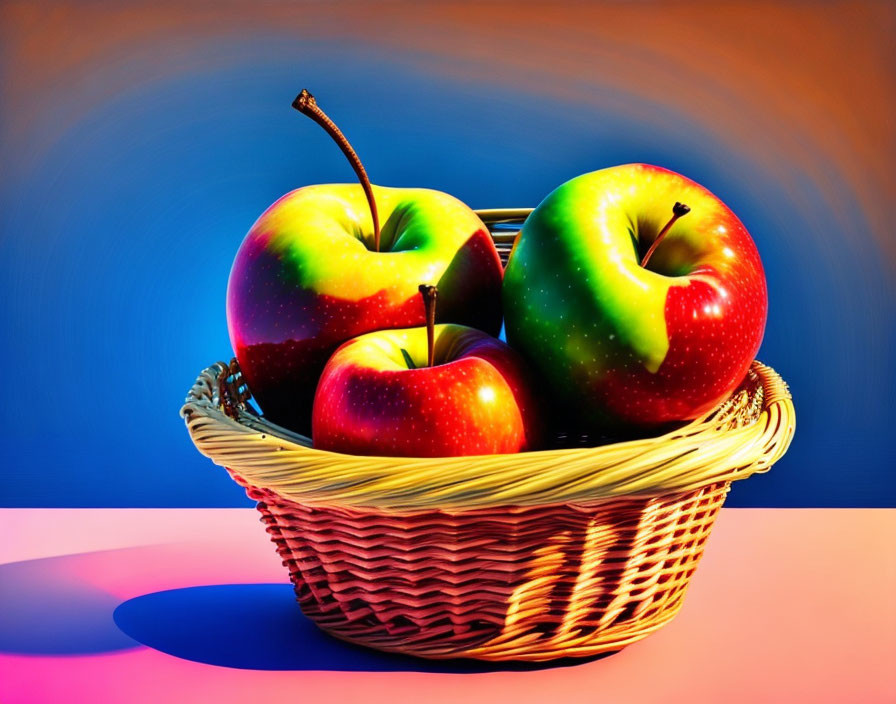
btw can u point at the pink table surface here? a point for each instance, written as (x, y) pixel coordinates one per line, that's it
(788, 605)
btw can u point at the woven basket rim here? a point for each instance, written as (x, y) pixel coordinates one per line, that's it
(718, 447)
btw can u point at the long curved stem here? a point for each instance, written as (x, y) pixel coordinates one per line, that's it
(430, 293)
(307, 105)
(678, 210)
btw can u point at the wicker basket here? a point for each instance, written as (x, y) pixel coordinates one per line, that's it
(534, 556)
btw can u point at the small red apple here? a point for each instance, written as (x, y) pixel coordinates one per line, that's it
(438, 391)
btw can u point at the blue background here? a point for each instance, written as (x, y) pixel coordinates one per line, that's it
(118, 235)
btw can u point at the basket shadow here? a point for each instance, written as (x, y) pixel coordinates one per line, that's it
(260, 627)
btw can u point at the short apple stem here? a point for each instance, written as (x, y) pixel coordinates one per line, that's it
(678, 210)
(430, 293)
(307, 105)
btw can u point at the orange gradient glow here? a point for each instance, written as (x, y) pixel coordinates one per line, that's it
(735, 69)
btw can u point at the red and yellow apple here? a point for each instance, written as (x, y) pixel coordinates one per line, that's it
(316, 269)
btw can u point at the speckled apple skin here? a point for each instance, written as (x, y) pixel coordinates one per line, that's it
(623, 345)
(475, 400)
(305, 280)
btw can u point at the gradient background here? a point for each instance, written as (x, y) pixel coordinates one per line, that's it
(140, 142)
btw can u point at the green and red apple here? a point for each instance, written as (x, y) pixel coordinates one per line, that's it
(625, 344)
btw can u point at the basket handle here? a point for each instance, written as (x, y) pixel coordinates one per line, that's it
(497, 216)
(233, 393)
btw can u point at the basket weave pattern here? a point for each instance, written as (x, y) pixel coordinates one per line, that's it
(418, 556)
(530, 583)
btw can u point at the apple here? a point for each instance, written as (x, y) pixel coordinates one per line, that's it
(316, 270)
(634, 323)
(438, 391)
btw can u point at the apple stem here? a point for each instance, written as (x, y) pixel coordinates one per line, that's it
(307, 105)
(430, 293)
(678, 210)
